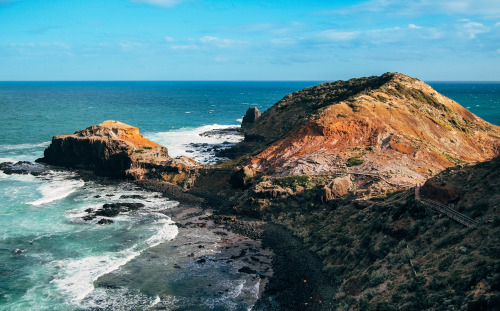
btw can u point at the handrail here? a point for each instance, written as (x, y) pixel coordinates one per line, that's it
(451, 213)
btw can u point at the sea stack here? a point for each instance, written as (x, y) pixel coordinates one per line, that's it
(250, 117)
(114, 149)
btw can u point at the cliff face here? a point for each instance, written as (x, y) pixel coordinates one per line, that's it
(393, 125)
(116, 149)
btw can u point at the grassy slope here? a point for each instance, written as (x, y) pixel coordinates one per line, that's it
(399, 254)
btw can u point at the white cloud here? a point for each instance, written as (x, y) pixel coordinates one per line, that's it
(185, 47)
(336, 35)
(128, 45)
(220, 42)
(473, 29)
(169, 39)
(164, 3)
(413, 26)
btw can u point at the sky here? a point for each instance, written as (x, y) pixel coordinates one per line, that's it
(433, 40)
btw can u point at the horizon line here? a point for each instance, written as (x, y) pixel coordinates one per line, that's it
(454, 81)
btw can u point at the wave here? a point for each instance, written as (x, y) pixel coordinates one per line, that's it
(76, 277)
(24, 146)
(180, 142)
(57, 188)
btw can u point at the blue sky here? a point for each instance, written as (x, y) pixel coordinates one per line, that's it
(248, 40)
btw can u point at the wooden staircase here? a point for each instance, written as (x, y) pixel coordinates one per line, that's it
(451, 213)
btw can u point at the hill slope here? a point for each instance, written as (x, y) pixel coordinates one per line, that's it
(395, 125)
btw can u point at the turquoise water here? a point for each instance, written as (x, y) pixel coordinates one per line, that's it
(50, 256)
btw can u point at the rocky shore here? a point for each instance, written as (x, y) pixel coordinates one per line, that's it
(324, 179)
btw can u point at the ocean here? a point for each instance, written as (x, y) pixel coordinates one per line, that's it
(50, 257)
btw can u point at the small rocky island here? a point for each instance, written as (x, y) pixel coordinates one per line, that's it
(339, 165)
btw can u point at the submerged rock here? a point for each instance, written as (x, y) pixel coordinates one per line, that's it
(23, 167)
(105, 221)
(111, 210)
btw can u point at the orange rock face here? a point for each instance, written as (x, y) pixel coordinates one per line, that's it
(397, 125)
(128, 133)
(116, 149)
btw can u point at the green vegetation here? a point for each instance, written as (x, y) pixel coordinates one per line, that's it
(292, 181)
(453, 160)
(381, 98)
(341, 116)
(354, 161)
(142, 149)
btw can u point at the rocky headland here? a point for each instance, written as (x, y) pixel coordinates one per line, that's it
(339, 165)
(118, 150)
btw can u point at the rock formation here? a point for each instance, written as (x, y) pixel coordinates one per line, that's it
(392, 125)
(250, 117)
(116, 149)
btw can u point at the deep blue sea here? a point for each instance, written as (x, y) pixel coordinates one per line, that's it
(49, 256)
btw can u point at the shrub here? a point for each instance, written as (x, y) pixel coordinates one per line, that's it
(445, 263)
(290, 181)
(378, 277)
(354, 161)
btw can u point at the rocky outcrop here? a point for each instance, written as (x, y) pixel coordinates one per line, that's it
(242, 178)
(250, 117)
(393, 126)
(116, 149)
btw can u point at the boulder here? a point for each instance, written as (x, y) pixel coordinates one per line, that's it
(250, 117)
(340, 186)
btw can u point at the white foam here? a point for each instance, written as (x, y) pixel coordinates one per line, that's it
(57, 188)
(76, 277)
(177, 141)
(17, 177)
(24, 146)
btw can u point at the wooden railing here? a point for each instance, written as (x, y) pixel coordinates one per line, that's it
(451, 213)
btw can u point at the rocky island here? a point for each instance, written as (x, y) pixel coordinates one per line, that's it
(340, 166)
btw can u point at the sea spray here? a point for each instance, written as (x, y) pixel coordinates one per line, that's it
(200, 143)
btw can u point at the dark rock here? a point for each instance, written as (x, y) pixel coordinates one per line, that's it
(132, 196)
(23, 167)
(105, 221)
(108, 212)
(201, 260)
(242, 178)
(250, 117)
(247, 270)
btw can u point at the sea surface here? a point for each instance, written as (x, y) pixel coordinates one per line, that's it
(49, 256)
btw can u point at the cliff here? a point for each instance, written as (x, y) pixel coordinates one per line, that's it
(392, 125)
(116, 149)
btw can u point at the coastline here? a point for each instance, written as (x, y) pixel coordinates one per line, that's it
(295, 281)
